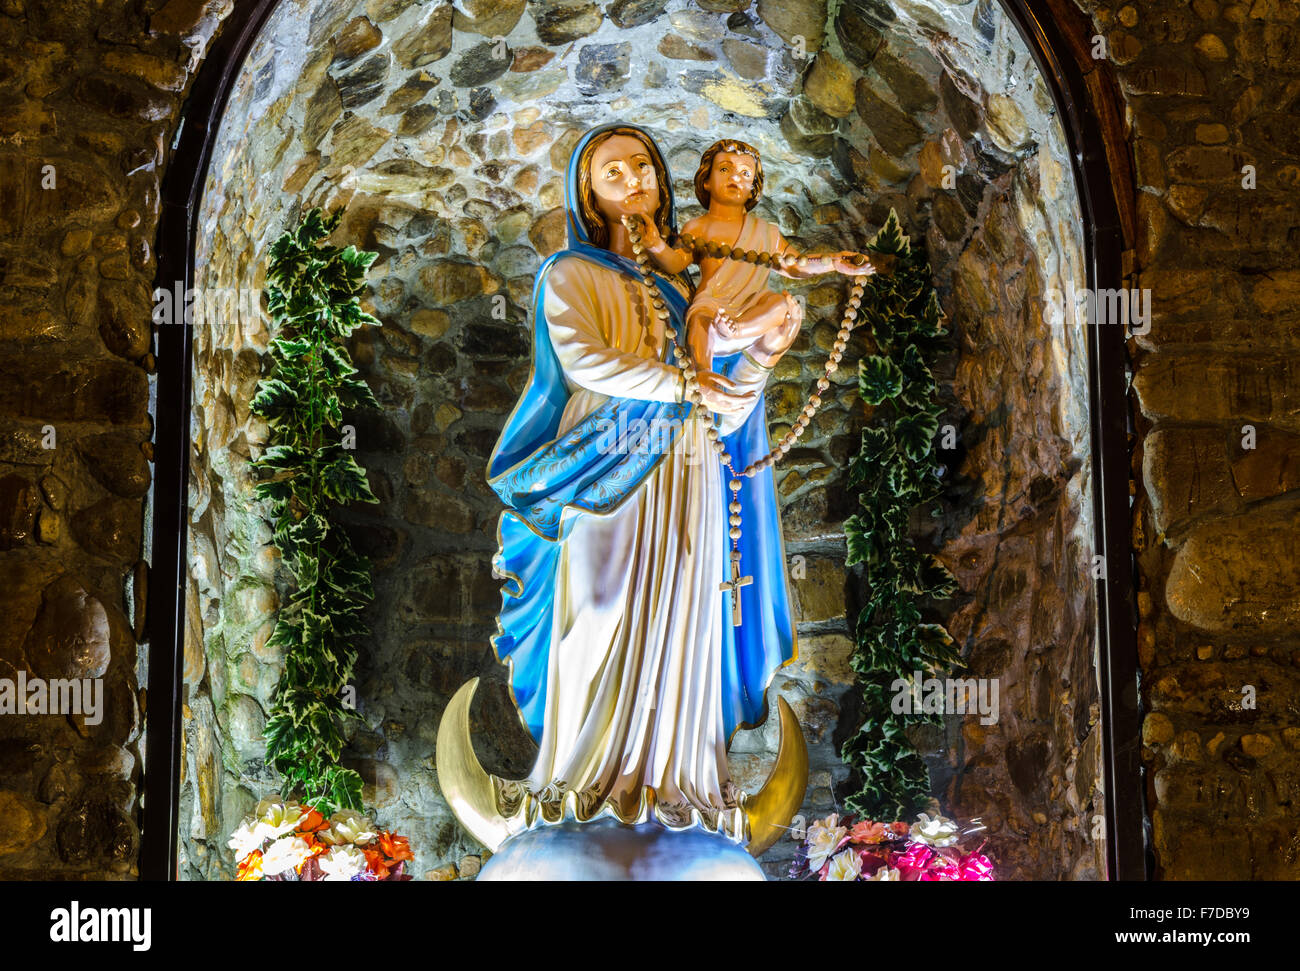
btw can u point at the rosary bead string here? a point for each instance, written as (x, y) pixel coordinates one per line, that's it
(689, 374)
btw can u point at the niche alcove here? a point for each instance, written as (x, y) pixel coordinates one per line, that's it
(443, 132)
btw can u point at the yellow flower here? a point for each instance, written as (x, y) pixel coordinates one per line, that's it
(845, 866)
(824, 838)
(887, 873)
(348, 827)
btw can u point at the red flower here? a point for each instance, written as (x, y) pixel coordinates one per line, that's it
(395, 848)
(312, 822)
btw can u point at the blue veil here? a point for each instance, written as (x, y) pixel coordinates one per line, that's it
(546, 481)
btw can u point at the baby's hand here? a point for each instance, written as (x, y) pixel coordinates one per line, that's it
(863, 264)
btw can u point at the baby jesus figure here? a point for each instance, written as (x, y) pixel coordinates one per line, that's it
(733, 307)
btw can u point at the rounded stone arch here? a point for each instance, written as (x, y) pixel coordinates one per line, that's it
(445, 139)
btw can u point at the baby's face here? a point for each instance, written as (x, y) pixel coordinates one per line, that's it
(732, 178)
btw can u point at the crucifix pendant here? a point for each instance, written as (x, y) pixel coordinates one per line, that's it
(734, 585)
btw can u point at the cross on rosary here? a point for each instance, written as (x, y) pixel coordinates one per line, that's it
(734, 585)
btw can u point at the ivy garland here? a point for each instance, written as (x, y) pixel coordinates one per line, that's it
(312, 297)
(895, 472)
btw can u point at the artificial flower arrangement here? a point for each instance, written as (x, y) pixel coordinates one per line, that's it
(284, 840)
(851, 849)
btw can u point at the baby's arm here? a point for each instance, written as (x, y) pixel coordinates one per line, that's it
(847, 262)
(815, 266)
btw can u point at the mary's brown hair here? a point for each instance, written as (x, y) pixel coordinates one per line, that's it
(706, 168)
(592, 217)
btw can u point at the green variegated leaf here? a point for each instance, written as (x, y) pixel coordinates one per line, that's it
(344, 481)
(916, 434)
(879, 379)
(918, 382)
(938, 580)
(931, 321)
(356, 393)
(293, 347)
(858, 541)
(280, 457)
(273, 399)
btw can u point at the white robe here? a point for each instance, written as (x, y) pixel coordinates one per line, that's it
(634, 690)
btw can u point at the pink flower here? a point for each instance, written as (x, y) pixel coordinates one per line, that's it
(976, 866)
(940, 869)
(916, 858)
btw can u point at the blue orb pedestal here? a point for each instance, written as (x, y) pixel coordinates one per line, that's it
(606, 849)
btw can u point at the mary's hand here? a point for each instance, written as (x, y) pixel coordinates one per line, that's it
(721, 395)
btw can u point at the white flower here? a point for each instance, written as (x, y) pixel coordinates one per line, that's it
(342, 863)
(938, 831)
(349, 826)
(824, 838)
(845, 866)
(281, 818)
(284, 855)
(250, 835)
(887, 873)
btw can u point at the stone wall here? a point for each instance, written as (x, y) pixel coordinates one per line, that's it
(448, 154)
(1212, 88)
(90, 94)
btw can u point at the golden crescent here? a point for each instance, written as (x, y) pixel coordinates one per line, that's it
(770, 810)
(467, 788)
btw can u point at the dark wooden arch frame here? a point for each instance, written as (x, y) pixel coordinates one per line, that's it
(1091, 109)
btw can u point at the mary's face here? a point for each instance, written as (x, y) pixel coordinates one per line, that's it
(623, 179)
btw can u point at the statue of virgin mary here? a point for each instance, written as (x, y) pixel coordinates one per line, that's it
(616, 619)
